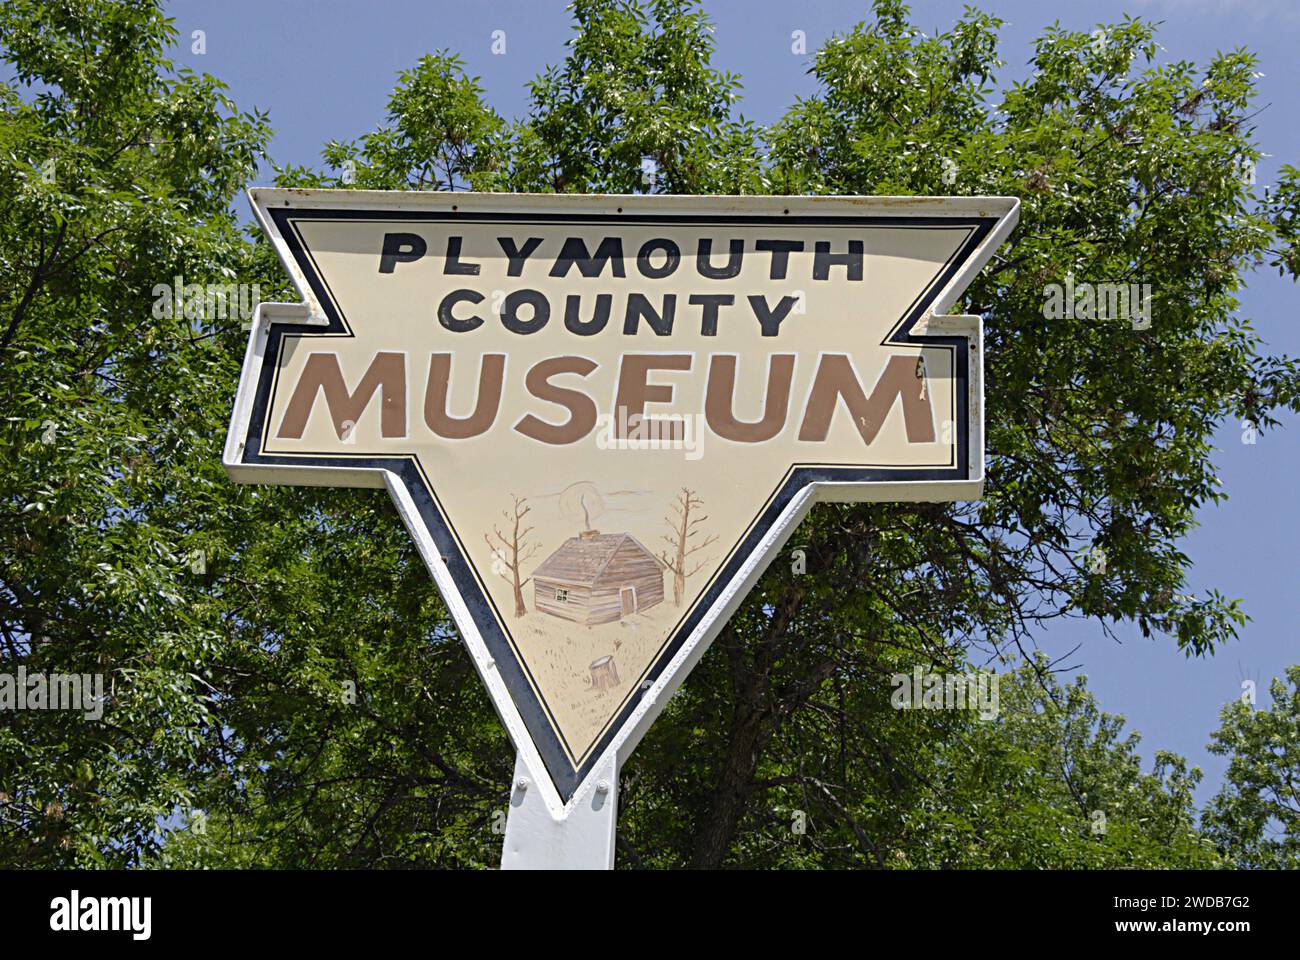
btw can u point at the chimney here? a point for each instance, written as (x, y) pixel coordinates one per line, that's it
(587, 534)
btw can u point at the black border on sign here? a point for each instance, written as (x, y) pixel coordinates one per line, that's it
(565, 775)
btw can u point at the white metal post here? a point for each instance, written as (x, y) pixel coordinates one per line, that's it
(581, 838)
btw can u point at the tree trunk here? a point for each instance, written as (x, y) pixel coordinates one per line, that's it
(713, 840)
(679, 571)
(751, 729)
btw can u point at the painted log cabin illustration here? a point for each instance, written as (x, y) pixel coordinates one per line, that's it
(598, 578)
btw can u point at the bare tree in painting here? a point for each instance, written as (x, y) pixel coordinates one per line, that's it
(682, 531)
(510, 552)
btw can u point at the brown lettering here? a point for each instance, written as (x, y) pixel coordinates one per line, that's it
(635, 391)
(491, 377)
(321, 373)
(836, 378)
(582, 409)
(719, 399)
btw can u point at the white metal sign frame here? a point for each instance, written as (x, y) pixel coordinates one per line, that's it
(554, 821)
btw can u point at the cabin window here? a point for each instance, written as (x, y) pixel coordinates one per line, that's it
(561, 595)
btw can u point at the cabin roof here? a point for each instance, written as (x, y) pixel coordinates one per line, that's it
(582, 561)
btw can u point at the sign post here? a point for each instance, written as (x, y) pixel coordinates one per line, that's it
(600, 417)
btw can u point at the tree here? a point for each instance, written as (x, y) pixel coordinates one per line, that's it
(1080, 799)
(1255, 817)
(116, 175)
(680, 549)
(262, 649)
(229, 709)
(1098, 433)
(511, 552)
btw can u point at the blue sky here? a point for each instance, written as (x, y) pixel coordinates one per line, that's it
(325, 68)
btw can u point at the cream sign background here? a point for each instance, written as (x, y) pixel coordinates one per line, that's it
(600, 415)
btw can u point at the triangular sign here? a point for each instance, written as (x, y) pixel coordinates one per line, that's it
(600, 416)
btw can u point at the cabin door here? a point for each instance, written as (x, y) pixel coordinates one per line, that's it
(628, 595)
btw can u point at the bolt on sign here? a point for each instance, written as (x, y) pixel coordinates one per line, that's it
(601, 416)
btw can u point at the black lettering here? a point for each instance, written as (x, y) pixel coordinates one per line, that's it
(449, 320)
(517, 255)
(638, 306)
(401, 248)
(574, 251)
(585, 328)
(453, 266)
(768, 319)
(673, 258)
(735, 257)
(510, 311)
(710, 302)
(780, 250)
(823, 260)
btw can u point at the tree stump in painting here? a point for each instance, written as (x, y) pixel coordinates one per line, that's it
(604, 675)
